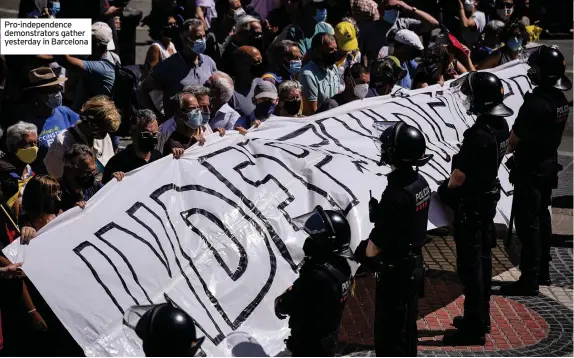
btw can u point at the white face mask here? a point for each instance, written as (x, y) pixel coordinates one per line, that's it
(504, 13)
(361, 90)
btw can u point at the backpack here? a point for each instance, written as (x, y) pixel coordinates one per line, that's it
(125, 94)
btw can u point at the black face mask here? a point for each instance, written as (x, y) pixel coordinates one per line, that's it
(85, 181)
(258, 70)
(147, 144)
(292, 107)
(170, 32)
(329, 59)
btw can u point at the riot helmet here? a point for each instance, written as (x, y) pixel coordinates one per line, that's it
(484, 94)
(403, 145)
(329, 233)
(164, 330)
(547, 67)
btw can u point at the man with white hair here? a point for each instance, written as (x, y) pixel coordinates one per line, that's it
(189, 67)
(221, 90)
(247, 32)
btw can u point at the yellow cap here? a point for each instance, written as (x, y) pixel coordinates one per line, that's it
(346, 37)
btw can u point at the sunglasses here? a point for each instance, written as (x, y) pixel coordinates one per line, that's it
(147, 135)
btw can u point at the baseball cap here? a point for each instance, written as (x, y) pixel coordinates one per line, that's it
(265, 89)
(102, 35)
(408, 37)
(346, 36)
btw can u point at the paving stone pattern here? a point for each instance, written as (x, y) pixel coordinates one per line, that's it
(521, 326)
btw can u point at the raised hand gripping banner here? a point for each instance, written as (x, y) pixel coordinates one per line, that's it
(213, 231)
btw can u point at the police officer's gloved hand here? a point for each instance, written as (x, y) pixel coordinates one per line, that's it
(373, 203)
(278, 309)
(448, 196)
(360, 253)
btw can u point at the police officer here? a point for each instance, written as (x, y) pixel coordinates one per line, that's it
(317, 298)
(393, 249)
(535, 138)
(166, 330)
(473, 190)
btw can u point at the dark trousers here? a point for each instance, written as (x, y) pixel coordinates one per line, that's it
(305, 347)
(533, 227)
(396, 312)
(473, 235)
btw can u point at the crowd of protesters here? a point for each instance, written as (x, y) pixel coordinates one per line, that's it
(213, 67)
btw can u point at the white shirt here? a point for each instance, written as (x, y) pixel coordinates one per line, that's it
(54, 160)
(471, 35)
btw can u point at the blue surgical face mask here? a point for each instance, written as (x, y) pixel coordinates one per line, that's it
(514, 44)
(320, 15)
(55, 8)
(53, 100)
(205, 117)
(194, 118)
(198, 46)
(295, 67)
(391, 16)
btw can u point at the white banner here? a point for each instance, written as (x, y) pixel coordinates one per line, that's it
(213, 230)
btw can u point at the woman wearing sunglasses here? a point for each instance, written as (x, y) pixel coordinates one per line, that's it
(141, 152)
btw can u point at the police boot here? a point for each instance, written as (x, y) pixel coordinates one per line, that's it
(527, 285)
(544, 274)
(459, 322)
(465, 336)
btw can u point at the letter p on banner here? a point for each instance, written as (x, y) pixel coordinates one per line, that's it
(48, 36)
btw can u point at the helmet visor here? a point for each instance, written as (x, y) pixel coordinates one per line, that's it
(313, 223)
(380, 128)
(134, 326)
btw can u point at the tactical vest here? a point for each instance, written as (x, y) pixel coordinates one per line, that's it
(539, 157)
(487, 180)
(420, 193)
(341, 286)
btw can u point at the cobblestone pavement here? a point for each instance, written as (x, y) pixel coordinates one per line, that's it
(521, 326)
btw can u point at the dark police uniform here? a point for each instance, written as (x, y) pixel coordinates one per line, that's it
(483, 149)
(539, 125)
(315, 304)
(400, 232)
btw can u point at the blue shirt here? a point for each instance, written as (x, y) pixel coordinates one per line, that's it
(319, 84)
(174, 73)
(245, 121)
(97, 78)
(48, 128)
(411, 68)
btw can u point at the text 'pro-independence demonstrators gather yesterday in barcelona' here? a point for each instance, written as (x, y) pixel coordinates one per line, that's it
(270, 178)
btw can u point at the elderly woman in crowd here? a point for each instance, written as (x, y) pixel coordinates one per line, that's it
(98, 117)
(289, 99)
(79, 182)
(15, 171)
